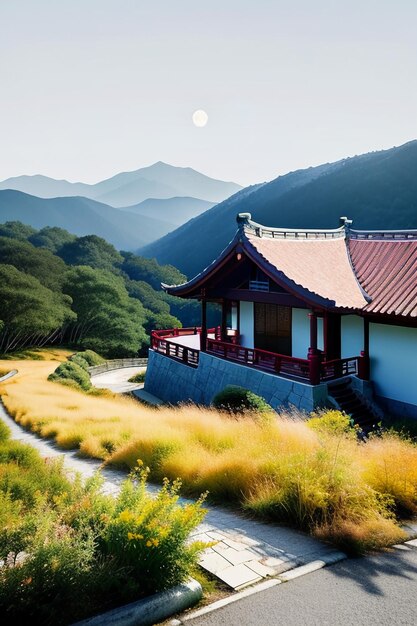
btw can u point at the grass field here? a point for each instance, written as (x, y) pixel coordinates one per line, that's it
(316, 477)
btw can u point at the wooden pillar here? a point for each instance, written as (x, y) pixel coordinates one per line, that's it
(364, 360)
(203, 335)
(313, 356)
(224, 321)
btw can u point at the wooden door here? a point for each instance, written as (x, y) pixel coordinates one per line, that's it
(273, 328)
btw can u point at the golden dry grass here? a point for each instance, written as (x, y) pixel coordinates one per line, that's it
(326, 483)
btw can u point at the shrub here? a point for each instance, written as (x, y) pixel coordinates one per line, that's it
(332, 422)
(235, 399)
(138, 378)
(4, 432)
(68, 550)
(91, 357)
(71, 371)
(79, 360)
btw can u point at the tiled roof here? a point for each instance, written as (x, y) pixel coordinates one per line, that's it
(318, 265)
(375, 272)
(387, 270)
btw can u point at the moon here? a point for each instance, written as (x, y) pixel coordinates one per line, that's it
(200, 118)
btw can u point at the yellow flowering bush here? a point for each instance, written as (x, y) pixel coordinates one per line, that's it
(148, 534)
(69, 551)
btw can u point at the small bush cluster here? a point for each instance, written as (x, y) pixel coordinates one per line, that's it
(138, 378)
(89, 356)
(74, 372)
(235, 399)
(68, 551)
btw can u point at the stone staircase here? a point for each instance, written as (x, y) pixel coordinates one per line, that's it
(354, 404)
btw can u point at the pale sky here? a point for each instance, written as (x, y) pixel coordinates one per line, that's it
(89, 88)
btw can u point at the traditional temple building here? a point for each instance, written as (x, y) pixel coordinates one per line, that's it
(309, 318)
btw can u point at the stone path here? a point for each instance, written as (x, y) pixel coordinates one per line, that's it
(243, 551)
(118, 380)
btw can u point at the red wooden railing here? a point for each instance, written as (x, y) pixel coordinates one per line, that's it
(160, 343)
(338, 368)
(310, 370)
(269, 361)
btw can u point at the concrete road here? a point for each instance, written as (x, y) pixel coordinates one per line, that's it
(117, 380)
(374, 591)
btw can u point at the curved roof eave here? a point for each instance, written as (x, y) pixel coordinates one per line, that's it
(295, 289)
(182, 290)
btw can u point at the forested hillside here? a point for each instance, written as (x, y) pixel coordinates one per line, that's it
(56, 288)
(376, 190)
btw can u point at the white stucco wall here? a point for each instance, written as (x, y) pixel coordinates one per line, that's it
(393, 352)
(247, 324)
(300, 330)
(351, 335)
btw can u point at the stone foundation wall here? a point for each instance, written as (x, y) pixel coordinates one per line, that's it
(174, 382)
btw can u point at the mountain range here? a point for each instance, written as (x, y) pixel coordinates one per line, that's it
(140, 206)
(82, 216)
(159, 180)
(377, 190)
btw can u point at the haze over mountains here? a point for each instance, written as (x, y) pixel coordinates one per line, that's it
(140, 206)
(159, 180)
(377, 190)
(82, 216)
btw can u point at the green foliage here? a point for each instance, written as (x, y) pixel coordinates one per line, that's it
(71, 371)
(155, 321)
(88, 356)
(51, 237)
(42, 264)
(332, 422)
(235, 399)
(150, 297)
(138, 378)
(69, 551)
(4, 432)
(16, 230)
(148, 535)
(96, 304)
(188, 311)
(28, 308)
(108, 321)
(92, 251)
(148, 270)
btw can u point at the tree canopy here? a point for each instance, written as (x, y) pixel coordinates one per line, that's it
(51, 237)
(90, 250)
(80, 291)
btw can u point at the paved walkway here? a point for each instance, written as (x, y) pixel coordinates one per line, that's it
(244, 551)
(118, 380)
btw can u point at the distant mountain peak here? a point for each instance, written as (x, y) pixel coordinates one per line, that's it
(159, 180)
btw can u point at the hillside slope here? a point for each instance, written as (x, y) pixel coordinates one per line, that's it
(82, 216)
(376, 190)
(174, 210)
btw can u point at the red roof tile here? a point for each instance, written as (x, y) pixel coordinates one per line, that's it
(387, 271)
(321, 266)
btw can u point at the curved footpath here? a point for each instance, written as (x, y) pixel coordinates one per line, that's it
(246, 551)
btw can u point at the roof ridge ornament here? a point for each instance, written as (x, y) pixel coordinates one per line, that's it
(346, 223)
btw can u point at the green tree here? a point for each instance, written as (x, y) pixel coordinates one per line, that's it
(45, 266)
(31, 313)
(91, 250)
(108, 320)
(16, 230)
(148, 270)
(150, 298)
(52, 238)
